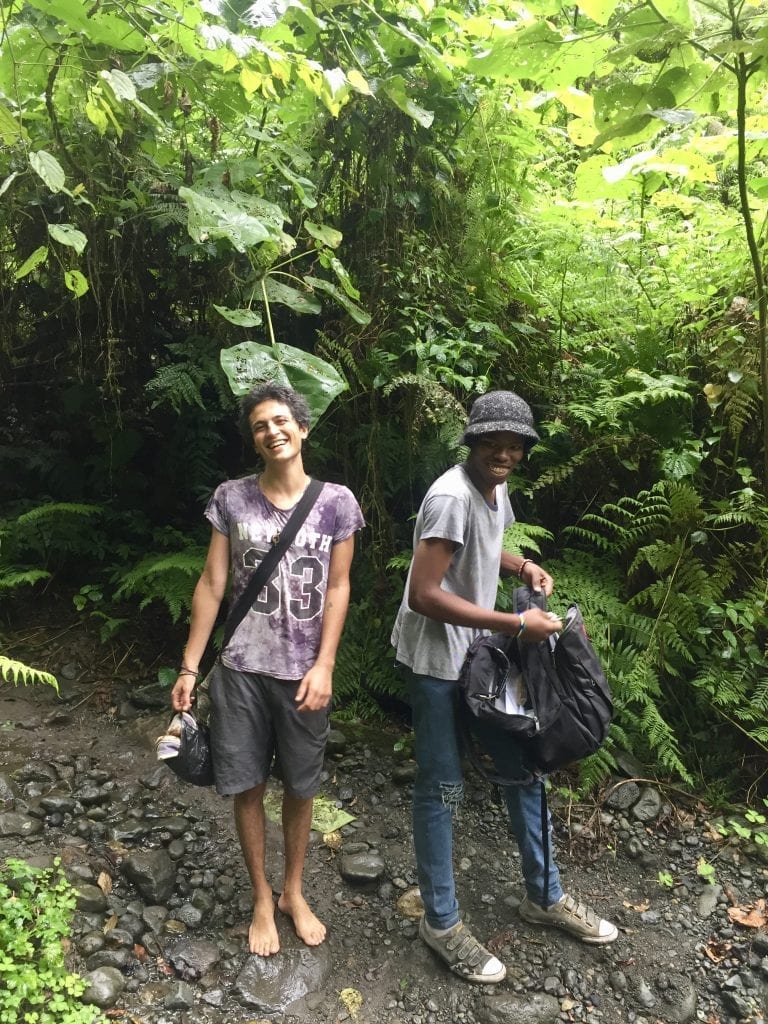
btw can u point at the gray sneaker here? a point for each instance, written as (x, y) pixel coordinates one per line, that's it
(576, 918)
(463, 954)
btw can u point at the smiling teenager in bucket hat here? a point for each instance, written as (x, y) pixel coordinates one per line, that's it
(449, 600)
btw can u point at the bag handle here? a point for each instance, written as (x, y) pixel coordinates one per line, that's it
(270, 560)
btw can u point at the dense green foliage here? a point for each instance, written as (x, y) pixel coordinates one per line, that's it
(36, 908)
(434, 199)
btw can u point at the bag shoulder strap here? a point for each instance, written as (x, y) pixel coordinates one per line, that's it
(270, 560)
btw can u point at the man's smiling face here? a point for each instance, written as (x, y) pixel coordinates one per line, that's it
(276, 435)
(493, 457)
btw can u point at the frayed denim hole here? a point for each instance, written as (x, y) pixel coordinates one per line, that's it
(452, 794)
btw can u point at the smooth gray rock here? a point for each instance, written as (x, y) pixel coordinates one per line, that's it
(507, 1008)
(9, 791)
(12, 823)
(269, 985)
(104, 987)
(362, 867)
(90, 898)
(648, 807)
(336, 742)
(708, 900)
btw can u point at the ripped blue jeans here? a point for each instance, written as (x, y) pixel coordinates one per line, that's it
(439, 789)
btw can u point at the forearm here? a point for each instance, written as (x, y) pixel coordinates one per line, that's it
(334, 616)
(510, 564)
(206, 602)
(439, 604)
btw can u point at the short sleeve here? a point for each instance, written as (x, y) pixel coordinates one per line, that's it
(349, 517)
(444, 517)
(216, 510)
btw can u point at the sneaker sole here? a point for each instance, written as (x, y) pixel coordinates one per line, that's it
(590, 940)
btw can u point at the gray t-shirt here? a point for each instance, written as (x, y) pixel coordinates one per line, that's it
(453, 509)
(280, 634)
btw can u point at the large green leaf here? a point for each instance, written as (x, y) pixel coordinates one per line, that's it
(249, 364)
(211, 217)
(76, 282)
(35, 259)
(396, 88)
(10, 129)
(298, 301)
(68, 234)
(49, 169)
(358, 315)
(239, 317)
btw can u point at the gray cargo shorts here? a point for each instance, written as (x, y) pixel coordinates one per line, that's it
(253, 720)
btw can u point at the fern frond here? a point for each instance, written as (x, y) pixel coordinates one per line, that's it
(15, 671)
(169, 578)
(11, 578)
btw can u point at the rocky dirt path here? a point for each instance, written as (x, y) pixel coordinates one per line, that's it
(164, 902)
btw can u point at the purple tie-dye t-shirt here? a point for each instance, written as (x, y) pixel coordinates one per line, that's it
(280, 634)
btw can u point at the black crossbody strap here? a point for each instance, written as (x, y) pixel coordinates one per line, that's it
(270, 560)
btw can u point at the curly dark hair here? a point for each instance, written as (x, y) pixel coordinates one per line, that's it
(277, 393)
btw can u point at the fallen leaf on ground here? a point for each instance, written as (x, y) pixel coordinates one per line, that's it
(751, 916)
(333, 840)
(110, 923)
(639, 907)
(352, 1001)
(104, 882)
(717, 951)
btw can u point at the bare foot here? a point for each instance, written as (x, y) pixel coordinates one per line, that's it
(263, 939)
(309, 928)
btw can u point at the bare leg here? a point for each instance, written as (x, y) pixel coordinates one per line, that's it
(251, 827)
(297, 821)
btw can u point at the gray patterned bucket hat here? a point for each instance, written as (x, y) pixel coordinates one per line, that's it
(501, 410)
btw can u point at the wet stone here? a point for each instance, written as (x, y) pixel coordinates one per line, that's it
(90, 943)
(118, 938)
(180, 997)
(9, 791)
(153, 873)
(189, 915)
(37, 771)
(269, 985)
(115, 958)
(360, 868)
(58, 803)
(89, 795)
(518, 1009)
(104, 986)
(648, 807)
(90, 899)
(127, 832)
(153, 917)
(176, 849)
(175, 826)
(12, 823)
(193, 958)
